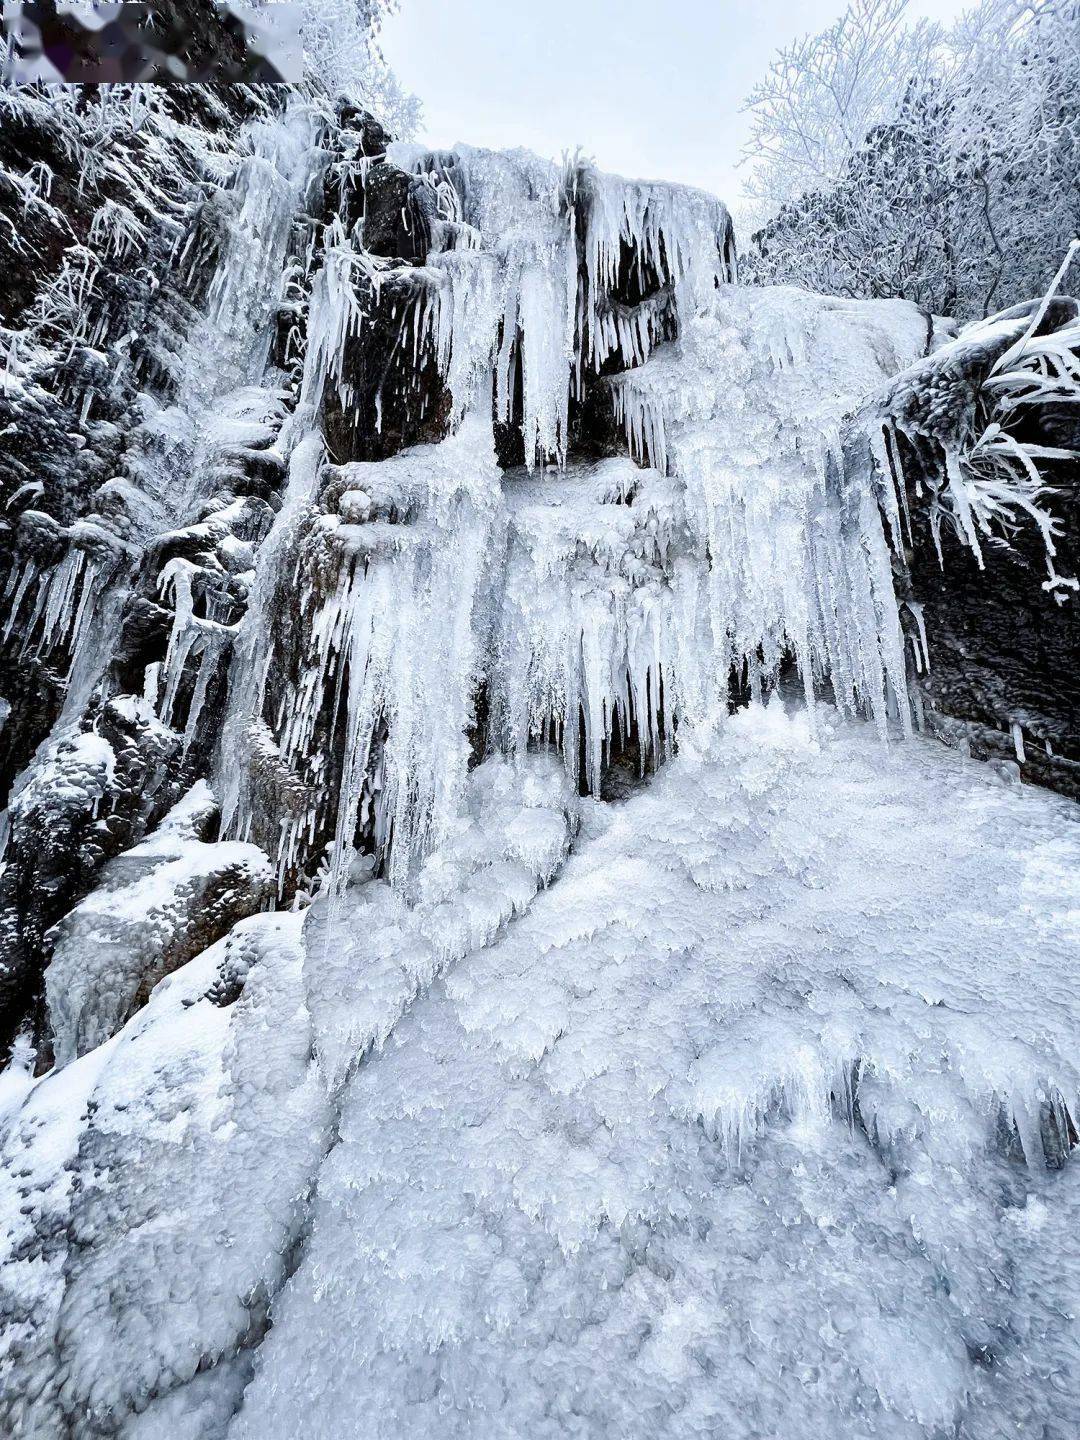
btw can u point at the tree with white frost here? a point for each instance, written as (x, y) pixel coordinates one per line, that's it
(963, 191)
(823, 94)
(341, 49)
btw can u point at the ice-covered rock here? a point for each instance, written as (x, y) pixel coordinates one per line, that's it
(156, 907)
(742, 1107)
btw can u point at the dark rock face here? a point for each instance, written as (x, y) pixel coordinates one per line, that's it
(1003, 651)
(92, 325)
(1003, 635)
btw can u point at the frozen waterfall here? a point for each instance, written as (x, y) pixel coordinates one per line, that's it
(531, 975)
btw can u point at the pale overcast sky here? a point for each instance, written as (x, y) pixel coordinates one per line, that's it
(650, 89)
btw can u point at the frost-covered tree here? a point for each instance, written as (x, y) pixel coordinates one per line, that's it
(963, 193)
(341, 48)
(824, 92)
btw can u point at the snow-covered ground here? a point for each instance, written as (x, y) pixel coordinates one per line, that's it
(747, 1128)
(752, 1123)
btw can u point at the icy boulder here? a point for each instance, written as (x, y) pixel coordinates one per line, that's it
(151, 1196)
(157, 906)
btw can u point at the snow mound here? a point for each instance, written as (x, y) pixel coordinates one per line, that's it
(153, 1189)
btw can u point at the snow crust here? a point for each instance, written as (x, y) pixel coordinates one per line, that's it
(743, 1128)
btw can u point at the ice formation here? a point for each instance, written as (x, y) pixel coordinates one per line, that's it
(727, 1135)
(397, 1072)
(584, 601)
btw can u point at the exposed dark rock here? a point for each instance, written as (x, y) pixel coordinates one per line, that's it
(397, 215)
(1004, 650)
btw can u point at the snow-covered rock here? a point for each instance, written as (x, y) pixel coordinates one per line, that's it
(156, 907)
(154, 1189)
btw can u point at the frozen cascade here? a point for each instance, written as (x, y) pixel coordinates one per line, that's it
(388, 579)
(743, 1107)
(634, 602)
(78, 604)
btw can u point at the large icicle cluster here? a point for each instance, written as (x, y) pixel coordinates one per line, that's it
(635, 604)
(748, 412)
(386, 579)
(596, 624)
(527, 262)
(453, 492)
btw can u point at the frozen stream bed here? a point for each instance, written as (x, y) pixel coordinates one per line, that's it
(752, 1123)
(727, 1135)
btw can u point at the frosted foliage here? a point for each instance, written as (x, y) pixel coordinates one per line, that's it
(726, 1134)
(991, 482)
(143, 1227)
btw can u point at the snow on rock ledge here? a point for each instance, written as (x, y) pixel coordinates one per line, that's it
(157, 905)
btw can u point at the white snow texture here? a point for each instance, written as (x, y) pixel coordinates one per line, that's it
(741, 1107)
